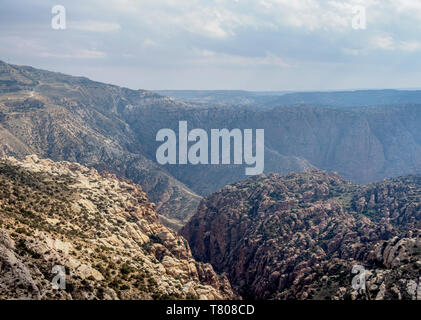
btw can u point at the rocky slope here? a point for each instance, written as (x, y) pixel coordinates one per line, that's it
(107, 127)
(362, 144)
(271, 99)
(74, 119)
(298, 236)
(102, 229)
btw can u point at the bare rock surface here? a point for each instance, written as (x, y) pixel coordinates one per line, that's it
(102, 229)
(298, 236)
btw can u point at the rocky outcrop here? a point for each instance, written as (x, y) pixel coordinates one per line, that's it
(101, 229)
(74, 119)
(299, 236)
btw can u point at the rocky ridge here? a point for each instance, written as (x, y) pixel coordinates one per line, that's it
(74, 119)
(299, 236)
(102, 229)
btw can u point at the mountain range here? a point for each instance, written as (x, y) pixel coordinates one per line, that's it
(107, 127)
(81, 188)
(270, 99)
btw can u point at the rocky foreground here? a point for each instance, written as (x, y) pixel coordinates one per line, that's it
(296, 236)
(103, 230)
(299, 236)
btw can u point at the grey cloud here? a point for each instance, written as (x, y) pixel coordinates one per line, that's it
(219, 44)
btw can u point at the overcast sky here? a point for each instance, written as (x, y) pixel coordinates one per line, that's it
(220, 44)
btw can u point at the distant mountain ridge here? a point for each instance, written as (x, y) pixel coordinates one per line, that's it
(114, 129)
(233, 98)
(356, 98)
(271, 99)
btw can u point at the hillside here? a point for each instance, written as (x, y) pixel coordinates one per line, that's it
(363, 144)
(114, 129)
(102, 229)
(74, 119)
(298, 236)
(226, 98)
(271, 99)
(355, 98)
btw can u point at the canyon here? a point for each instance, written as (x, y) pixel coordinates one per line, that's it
(81, 188)
(299, 236)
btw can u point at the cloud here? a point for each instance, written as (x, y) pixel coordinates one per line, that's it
(308, 14)
(352, 52)
(208, 21)
(149, 43)
(208, 57)
(257, 43)
(383, 42)
(389, 44)
(79, 54)
(94, 26)
(411, 46)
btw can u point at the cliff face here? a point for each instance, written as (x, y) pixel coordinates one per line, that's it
(298, 236)
(69, 118)
(363, 145)
(107, 127)
(102, 229)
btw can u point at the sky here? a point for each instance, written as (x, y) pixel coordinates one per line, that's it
(263, 45)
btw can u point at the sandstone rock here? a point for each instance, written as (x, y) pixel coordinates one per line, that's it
(306, 250)
(111, 247)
